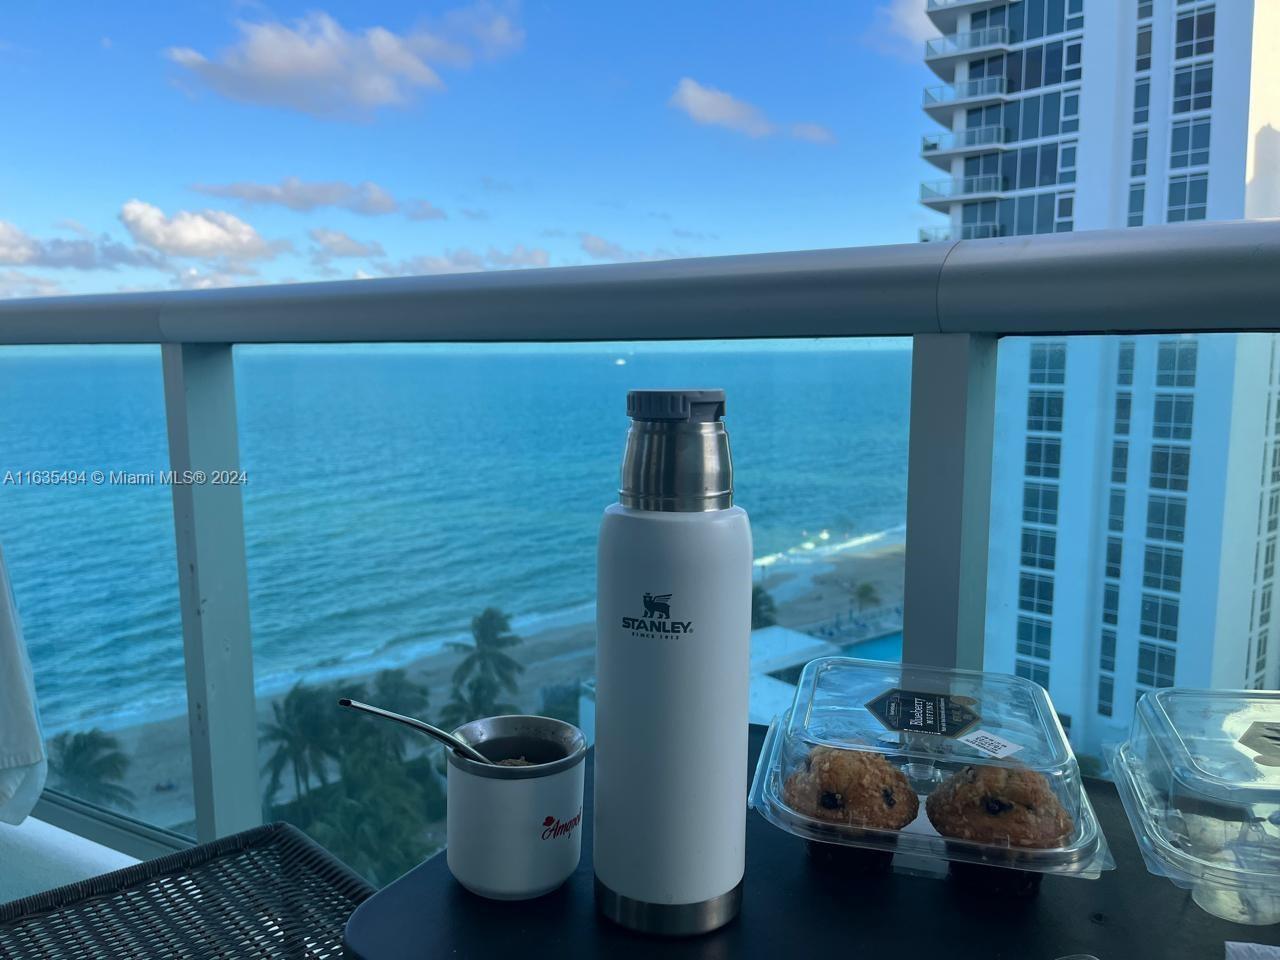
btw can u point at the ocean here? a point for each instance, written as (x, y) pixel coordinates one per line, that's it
(395, 491)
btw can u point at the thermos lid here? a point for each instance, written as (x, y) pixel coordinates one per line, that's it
(692, 406)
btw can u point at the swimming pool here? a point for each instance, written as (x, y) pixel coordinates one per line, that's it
(888, 647)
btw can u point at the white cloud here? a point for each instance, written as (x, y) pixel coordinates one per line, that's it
(20, 249)
(598, 248)
(464, 260)
(304, 196)
(75, 226)
(206, 233)
(899, 29)
(191, 278)
(685, 234)
(16, 283)
(16, 245)
(715, 107)
(317, 66)
(813, 132)
(707, 105)
(518, 256)
(335, 243)
(424, 210)
(365, 198)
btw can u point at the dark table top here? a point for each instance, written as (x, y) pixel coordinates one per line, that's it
(790, 905)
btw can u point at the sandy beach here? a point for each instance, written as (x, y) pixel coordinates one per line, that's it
(813, 595)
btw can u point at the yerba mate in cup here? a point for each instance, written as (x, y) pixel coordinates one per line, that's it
(515, 828)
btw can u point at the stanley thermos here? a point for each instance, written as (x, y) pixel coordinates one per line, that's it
(673, 612)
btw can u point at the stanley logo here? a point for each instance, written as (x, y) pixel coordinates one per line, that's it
(657, 617)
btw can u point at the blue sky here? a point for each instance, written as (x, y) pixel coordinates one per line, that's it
(213, 141)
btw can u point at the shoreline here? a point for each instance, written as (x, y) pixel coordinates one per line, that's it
(814, 591)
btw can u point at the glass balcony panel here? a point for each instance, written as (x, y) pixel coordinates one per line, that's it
(1169, 540)
(961, 187)
(964, 90)
(962, 139)
(953, 44)
(399, 492)
(88, 540)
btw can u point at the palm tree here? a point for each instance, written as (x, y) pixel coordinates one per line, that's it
(393, 690)
(302, 734)
(867, 596)
(372, 817)
(90, 766)
(763, 613)
(478, 699)
(486, 656)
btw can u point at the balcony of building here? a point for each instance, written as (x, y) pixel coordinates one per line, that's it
(940, 148)
(942, 54)
(953, 298)
(936, 234)
(940, 194)
(941, 102)
(946, 14)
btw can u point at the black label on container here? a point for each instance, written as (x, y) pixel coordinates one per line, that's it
(1264, 737)
(915, 712)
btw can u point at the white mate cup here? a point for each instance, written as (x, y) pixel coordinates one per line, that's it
(515, 832)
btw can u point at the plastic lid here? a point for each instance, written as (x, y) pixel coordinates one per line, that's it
(1224, 745)
(841, 701)
(694, 406)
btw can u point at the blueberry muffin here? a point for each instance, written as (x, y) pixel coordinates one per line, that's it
(988, 804)
(998, 805)
(856, 788)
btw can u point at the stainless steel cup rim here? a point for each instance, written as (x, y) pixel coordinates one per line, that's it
(547, 729)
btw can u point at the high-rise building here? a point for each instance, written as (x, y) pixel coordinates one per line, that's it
(1136, 482)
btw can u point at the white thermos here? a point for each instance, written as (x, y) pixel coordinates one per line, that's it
(673, 622)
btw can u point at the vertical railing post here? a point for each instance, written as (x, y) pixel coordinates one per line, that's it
(208, 520)
(953, 387)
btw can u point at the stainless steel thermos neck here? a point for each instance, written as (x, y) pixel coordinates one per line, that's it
(677, 457)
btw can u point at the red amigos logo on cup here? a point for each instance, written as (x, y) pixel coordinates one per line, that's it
(560, 828)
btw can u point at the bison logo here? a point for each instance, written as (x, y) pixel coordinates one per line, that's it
(657, 606)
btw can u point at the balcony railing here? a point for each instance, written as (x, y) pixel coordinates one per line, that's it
(1212, 277)
(978, 231)
(953, 44)
(935, 234)
(961, 139)
(949, 93)
(982, 185)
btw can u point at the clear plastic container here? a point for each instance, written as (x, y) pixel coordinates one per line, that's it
(1200, 781)
(941, 730)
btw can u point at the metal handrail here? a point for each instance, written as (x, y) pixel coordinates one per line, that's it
(1190, 277)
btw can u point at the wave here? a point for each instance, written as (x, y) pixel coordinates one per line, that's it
(821, 546)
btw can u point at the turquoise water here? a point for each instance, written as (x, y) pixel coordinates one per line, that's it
(394, 492)
(888, 647)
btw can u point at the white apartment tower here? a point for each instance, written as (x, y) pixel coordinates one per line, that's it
(1136, 481)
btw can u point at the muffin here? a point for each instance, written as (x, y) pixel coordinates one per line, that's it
(1010, 806)
(854, 788)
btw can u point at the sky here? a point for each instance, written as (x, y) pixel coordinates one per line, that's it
(217, 142)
